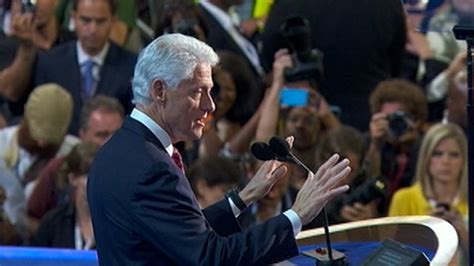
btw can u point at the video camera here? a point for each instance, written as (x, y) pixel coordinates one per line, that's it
(372, 189)
(307, 62)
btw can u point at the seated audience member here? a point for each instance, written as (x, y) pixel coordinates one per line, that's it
(399, 113)
(28, 33)
(94, 64)
(8, 234)
(307, 123)
(27, 148)
(70, 225)
(211, 177)
(100, 118)
(364, 200)
(441, 180)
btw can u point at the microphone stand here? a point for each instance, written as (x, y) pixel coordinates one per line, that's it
(467, 33)
(320, 259)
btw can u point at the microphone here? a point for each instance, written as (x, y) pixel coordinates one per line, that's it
(263, 152)
(281, 149)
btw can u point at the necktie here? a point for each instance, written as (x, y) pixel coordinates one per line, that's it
(88, 78)
(177, 159)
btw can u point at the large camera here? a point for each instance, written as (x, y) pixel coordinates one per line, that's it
(372, 189)
(398, 123)
(307, 62)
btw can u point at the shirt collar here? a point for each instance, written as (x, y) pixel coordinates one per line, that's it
(155, 128)
(99, 58)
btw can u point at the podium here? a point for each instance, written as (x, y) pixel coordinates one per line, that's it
(426, 233)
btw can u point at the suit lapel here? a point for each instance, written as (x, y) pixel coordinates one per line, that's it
(72, 76)
(107, 72)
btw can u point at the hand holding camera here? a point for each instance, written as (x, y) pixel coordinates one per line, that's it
(281, 62)
(359, 211)
(23, 27)
(378, 129)
(391, 126)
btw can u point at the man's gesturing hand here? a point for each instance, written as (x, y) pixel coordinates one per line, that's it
(268, 174)
(321, 187)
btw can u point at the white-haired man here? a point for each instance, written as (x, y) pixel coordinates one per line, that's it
(143, 209)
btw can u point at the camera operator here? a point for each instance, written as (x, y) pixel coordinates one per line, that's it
(367, 196)
(399, 111)
(306, 119)
(33, 27)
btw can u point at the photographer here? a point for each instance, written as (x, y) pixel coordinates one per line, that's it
(306, 120)
(399, 111)
(367, 195)
(33, 28)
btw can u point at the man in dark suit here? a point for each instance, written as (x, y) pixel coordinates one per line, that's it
(223, 33)
(362, 42)
(143, 209)
(92, 65)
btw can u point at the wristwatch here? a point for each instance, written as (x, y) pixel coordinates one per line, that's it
(233, 194)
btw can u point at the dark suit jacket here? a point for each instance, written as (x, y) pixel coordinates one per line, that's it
(362, 41)
(60, 66)
(145, 213)
(219, 39)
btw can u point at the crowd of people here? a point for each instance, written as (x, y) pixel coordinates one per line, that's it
(382, 83)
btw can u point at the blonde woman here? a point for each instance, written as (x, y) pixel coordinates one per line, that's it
(441, 180)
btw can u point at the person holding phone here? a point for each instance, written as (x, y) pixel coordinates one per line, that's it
(295, 109)
(441, 180)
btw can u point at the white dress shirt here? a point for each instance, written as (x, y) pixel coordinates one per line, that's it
(98, 59)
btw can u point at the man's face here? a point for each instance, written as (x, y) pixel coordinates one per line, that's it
(100, 127)
(93, 21)
(186, 107)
